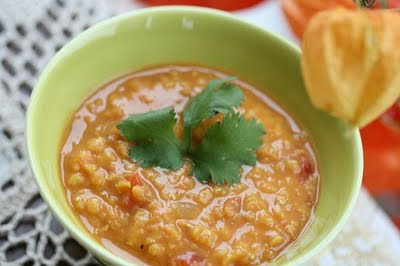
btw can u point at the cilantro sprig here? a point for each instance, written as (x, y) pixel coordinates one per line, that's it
(156, 143)
(226, 146)
(219, 96)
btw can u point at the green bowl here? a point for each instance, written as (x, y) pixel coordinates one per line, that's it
(199, 36)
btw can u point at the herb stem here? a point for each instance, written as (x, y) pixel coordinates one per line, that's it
(187, 139)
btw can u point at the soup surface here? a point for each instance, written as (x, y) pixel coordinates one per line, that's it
(163, 217)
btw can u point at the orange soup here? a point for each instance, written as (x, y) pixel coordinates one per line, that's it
(157, 216)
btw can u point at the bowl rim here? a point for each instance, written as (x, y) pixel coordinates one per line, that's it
(88, 242)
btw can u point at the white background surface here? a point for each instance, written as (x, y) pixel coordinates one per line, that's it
(269, 15)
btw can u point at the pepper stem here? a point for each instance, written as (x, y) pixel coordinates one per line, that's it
(365, 3)
(384, 4)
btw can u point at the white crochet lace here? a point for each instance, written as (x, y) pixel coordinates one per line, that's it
(31, 31)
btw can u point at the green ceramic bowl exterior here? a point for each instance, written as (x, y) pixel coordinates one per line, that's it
(199, 36)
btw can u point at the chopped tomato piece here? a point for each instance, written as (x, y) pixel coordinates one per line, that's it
(127, 200)
(307, 168)
(135, 179)
(190, 259)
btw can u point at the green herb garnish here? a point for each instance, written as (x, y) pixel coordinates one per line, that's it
(219, 96)
(156, 143)
(226, 146)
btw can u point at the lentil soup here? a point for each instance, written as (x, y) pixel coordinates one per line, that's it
(165, 217)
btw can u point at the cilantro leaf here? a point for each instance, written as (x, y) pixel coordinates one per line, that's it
(219, 96)
(225, 148)
(153, 132)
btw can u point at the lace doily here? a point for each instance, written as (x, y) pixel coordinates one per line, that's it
(31, 31)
